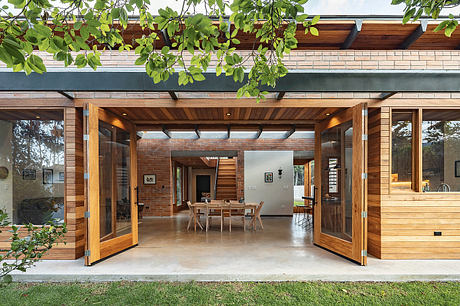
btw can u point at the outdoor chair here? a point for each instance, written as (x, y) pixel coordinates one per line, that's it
(191, 216)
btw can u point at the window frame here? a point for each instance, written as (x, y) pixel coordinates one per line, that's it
(417, 151)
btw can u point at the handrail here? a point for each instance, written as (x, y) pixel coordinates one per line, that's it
(215, 179)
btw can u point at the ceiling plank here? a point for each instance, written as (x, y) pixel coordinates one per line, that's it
(167, 113)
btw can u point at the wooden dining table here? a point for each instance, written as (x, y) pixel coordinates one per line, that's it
(206, 207)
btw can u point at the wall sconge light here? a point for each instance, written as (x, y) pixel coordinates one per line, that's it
(280, 173)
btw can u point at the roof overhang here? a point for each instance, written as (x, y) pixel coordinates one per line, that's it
(296, 81)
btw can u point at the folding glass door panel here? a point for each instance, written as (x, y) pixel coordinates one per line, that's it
(340, 178)
(111, 198)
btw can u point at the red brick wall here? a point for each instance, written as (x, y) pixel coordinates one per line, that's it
(154, 157)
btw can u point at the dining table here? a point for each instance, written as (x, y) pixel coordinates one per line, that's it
(206, 207)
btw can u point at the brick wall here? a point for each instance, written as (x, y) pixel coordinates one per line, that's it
(154, 158)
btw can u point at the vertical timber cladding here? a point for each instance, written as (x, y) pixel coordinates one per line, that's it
(74, 188)
(402, 225)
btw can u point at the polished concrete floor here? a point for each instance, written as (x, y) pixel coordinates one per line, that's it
(282, 251)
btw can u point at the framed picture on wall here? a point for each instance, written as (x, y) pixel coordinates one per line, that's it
(150, 179)
(29, 175)
(457, 168)
(47, 176)
(61, 176)
(268, 177)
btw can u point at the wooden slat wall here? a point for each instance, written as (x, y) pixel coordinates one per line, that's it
(403, 225)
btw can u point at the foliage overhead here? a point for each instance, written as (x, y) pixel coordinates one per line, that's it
(27, 246)
(432, 8)
(199, 30)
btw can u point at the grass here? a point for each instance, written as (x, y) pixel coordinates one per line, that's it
(232, 293)
(297, 203)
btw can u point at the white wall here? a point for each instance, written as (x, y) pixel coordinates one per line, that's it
(279, 195)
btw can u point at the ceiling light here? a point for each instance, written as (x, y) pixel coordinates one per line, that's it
(228, 114)
(124, 114)
(328, 114)
(38, 117)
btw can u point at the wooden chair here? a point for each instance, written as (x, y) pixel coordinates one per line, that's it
(236, 210)
(215, 212)
(256, 216)
(192, 216)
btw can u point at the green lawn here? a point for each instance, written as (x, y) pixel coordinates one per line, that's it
(236, 293)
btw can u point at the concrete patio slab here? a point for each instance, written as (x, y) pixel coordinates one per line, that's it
(282, 252)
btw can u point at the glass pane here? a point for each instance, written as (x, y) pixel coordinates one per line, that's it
(336, 181)
(401, 152)
(178, 186)
(114, 181)
(441, 151)
(32, 166)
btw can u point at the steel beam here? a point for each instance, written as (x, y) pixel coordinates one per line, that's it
(415, 35)
(68, 95)
(197, 132)
(280, 95)
(296, 81)
(173, 95)
(291, 131)
(259, 132)
(353, 34)
(166, 39)
(166, 131)
(229, 127)
(386, 95)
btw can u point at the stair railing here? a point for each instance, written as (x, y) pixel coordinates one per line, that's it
(215, 179)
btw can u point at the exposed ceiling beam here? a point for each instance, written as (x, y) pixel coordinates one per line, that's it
(353, 34)
(68, 95)
(259, 132)
(415, 35)
(291, 131)
(386, 95)
(280, 95)
(166, 39)
(229, 127)
(166, 131)
(173, 95)
(197, 132)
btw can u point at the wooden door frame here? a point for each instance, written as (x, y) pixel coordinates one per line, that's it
(357, 249)
(97, 249)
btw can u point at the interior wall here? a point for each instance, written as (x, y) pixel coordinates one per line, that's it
(154, 157)
(278, 196)
(6, 160)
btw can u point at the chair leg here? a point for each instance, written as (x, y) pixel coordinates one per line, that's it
(189, 222)
(244, 224)
(260, 221)
(221, 221)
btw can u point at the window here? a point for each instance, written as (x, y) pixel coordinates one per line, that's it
(441, 151)
(401, 151)
(178, 186)
(32, 165)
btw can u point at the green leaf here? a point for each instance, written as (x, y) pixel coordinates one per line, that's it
(314, 31)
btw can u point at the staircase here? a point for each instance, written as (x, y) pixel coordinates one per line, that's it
(226, 180)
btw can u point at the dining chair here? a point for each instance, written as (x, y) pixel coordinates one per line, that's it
(236, 209)
(214, 209)
(193, 216)
(256, 216)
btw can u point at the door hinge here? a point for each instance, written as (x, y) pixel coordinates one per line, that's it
(365, 137)
(85, 112)
(364, 253)
(86, 176)
(87, 253)
(364, 214)
(85, 137)
(364, 176)
(87, 214)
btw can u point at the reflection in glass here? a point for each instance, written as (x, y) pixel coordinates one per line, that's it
(114, 181)
(441, 151)
(32, 159)
(336, 181)
(401, 154)
(178, 186)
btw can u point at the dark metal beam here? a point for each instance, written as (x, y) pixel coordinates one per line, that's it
(291, 131)
(280, 95)
(353, 34)
(386, 95)
(298, 81)
(68, 95)
(166, 39)
(415, 35)
(166, 131)
(228, 131)
(259, 132)
(173, 95)
(197, 132)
